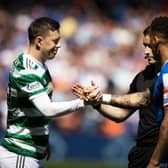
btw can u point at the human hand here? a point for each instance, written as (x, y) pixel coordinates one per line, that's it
(79, 91)
(94, 93)
(90, 94)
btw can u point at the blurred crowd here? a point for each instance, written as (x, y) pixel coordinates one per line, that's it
(101, 41)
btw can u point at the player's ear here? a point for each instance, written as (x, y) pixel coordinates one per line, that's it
(156, 38)
(38, 42)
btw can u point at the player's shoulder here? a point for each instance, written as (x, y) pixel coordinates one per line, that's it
(25, 65)
(148, 73)
(23, 61)
(18, 63)
(149, 68)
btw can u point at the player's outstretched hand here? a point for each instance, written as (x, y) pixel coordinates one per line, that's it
(79, 91)
(91, 94)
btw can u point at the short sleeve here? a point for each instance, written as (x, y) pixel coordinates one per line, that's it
(132, 86)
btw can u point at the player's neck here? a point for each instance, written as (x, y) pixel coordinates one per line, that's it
(35, 53)
(164, 53)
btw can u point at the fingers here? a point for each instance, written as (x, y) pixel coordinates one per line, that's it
(90, 94)
(77, 85)
(93, 83)
(99, 96)
(96, 95)
(79, 91)
(76, 88)
(93, 94)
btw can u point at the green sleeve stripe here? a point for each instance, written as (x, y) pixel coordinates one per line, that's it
(24, 79)
(30, 140)
(18, 63)
(21, 151)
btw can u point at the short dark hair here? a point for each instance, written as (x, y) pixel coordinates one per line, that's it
(160, 25)
(41, 26)
(146, 31)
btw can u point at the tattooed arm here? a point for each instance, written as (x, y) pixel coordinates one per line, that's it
(132, 100)
(115, 107)
(119, 107)
(93, 95)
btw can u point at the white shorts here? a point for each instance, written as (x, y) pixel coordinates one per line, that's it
(12, 160)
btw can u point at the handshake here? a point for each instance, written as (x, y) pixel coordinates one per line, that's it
(91, 95)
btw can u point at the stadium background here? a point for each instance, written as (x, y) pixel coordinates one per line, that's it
(101, 41)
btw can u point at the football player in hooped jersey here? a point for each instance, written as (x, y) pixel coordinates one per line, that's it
(29, 105)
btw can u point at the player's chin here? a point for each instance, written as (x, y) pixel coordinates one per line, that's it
(151, 61)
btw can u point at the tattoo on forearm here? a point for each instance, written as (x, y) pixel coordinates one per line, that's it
(131, 100)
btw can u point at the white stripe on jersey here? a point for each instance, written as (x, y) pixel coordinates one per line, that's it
(28, 131)
(22, 145)
(29, 63)
(18, 74)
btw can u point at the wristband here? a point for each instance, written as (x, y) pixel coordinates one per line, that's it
(106, 98)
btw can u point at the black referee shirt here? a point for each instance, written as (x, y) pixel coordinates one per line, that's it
(148, 128)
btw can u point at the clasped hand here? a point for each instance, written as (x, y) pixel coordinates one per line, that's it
(91, 95)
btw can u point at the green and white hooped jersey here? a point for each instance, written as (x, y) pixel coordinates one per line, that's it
(27, 131)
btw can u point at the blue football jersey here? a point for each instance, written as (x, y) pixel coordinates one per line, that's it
(160, 93)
